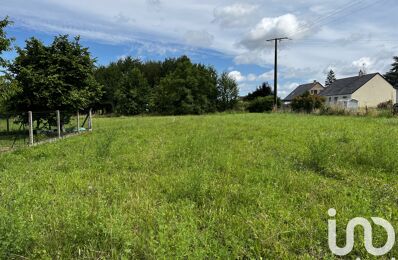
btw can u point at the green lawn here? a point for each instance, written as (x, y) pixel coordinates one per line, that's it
(225, 186)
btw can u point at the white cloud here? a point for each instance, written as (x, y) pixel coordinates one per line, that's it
(364, 62)
(320, 9)
(282, 26)
(259, 57)
(122, 18)
(236, 15)
(237, 75)
(252, 77)
(154, 5)
(287, 88)
(199, 38)
(267, 76)
(153, 2)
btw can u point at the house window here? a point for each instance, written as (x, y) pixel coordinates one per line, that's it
(336, 99)
(345, 97)
(330, 99)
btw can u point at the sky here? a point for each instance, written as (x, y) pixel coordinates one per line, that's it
(342, 35)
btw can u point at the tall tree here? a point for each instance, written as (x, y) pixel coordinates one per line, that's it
(392, 75)
(176, 85)
(228, 92)
(55, 77)
(264, 90)
(133, 96)
(5, 42)
(152, 70)
(7, 88)
(187, 88)
(110, 77)
(330, 78)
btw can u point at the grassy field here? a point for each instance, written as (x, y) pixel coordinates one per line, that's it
(225, 186)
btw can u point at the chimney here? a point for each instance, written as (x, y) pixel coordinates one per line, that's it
(361, 73)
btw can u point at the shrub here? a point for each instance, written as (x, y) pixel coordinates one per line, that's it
(368, 112)
(262, 104)
(385, 105)
(241, 106)
(264, 90)
(307, 103)
(337, 111)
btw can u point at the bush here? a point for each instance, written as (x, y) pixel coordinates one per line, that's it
(385, 105)
(262, 104)
(368, 112)
(335, 111)
(264, 90)
(307, 103)
(241, 106)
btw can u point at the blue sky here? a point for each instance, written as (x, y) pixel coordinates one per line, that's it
(230, 35)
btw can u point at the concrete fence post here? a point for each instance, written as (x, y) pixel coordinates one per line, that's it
(90, 120)
(30, 121)
(58, 123)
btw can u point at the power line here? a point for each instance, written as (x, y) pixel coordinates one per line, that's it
(324, 20)
(330, 14)
(343, 44)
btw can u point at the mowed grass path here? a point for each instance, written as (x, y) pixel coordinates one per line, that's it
(225, 186)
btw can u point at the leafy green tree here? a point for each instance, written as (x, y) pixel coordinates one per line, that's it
(392, 75)
(133, 96)
(110, 77)
(153, 72)
(307, 103)
(7, 88)
(262, 104)
(264, 90)
(176, 86)
(187, 89)
(55, 77)
(330, 78)
(5, 42)
(227, 92)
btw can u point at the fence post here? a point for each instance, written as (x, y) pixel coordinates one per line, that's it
(58, 123)
(90, 120)
(78, 122)
(30, 120)
(8, 124)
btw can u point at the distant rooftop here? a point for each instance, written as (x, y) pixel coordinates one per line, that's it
(347, 86)
(300, 90)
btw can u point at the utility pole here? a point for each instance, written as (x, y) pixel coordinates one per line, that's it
(276, 40)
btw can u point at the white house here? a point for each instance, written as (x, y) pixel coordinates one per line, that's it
(365, 90)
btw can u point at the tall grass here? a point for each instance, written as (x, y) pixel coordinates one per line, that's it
(221, 186)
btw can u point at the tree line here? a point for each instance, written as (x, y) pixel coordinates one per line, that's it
(64, 76)
(171, 87)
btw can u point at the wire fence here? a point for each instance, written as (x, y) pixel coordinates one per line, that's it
(30, 128)
(13, 133)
